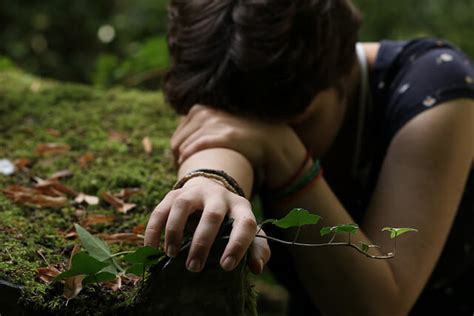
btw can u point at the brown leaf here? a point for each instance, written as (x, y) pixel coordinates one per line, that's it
(89, 199)
(93, 219)
(69, 233)
(61, 174)
(47, 274)
(86, 159)
(72, 287)
(147, 145)
(114, 285)
(121, 237)
(117, 203)
(132, 278)
(117, 135)
(80, 212)
(53, 132)
(139, 229)
(127, 193)
(22, 163)
(32, 196)
(53, 187)
(52, 149)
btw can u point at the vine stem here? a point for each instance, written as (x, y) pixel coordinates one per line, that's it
(336, 244)
(120, 253)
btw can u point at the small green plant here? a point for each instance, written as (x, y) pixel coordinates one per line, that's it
(298, 217)
(97, 264)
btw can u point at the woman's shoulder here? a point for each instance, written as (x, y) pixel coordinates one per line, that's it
(412, 76)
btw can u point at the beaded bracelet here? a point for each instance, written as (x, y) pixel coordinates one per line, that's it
(299, 184)
(226, 180)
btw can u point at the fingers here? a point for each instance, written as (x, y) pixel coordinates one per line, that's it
(180, 210)
(212, 217)
(189, 128)
(242, 235)
(196, 143)
(158, 220)
(259, 253)
(188, 125)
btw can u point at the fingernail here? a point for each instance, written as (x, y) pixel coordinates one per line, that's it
(229, 263)
(194, 265)
(171, 251)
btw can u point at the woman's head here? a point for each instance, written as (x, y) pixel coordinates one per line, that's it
(263, 58)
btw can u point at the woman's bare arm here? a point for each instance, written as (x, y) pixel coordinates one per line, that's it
(420, 186)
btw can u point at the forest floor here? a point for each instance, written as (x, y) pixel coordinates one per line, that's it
(66, 139)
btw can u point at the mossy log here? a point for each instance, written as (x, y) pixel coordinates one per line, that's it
(108, 126)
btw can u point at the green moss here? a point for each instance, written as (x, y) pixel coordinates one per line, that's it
(84, 116)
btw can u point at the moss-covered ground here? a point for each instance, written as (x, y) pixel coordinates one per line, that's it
(110, 125)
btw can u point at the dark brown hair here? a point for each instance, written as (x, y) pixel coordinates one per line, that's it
(263, 58)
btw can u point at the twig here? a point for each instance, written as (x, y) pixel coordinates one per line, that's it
(120, 253)
(42, 256)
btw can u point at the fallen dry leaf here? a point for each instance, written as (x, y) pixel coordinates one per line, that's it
(139, 229)
(93, 219)
(119, 136)
(114, 285)
(117, 203)
(89, 199)
(61, 174)
(86, 159)
(53, 187)
(80, 212)
(22, 163)
(126, 193)
(147, 145)
(33, 196)
(132, 278)
(52, 149)
(53, 132)
(121, 237)
(73, 285)
(47, 274)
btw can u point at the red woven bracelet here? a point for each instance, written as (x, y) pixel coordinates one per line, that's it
(296, 174)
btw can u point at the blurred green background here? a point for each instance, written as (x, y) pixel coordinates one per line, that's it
(122, 42)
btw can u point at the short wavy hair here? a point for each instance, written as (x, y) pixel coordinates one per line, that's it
(259, 58)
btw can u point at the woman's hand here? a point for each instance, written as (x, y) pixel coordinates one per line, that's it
(273, 148)
(215, 202)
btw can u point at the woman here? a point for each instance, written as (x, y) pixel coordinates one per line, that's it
(390, 122)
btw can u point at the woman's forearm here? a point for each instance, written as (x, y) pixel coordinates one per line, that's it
(340, 280)
(230, 161)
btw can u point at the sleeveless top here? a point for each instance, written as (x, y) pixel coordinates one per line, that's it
(408, 78)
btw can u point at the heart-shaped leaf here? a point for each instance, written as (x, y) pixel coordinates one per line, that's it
(344, 228)
(142, 258)
(146, 255)
(82, 263)
(97, 248)
(297, 217)
(395, 232)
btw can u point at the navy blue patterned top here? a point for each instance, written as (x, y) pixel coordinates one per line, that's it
(409, 77)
